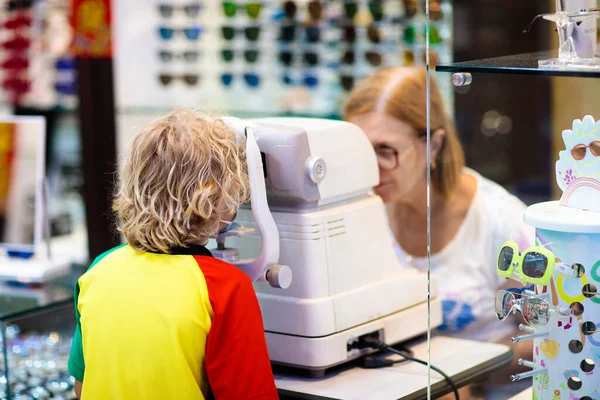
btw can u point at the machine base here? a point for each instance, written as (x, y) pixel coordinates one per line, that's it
(317, 354)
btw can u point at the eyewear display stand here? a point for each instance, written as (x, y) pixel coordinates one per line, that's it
(566, 348)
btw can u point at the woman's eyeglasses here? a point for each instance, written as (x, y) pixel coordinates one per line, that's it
(192, 33)
(535, 265)
(252, 8)
(388, 157)
(579, 151)
(191, 10)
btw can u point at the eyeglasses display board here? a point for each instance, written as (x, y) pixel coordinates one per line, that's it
(36, 69)
(266, 56)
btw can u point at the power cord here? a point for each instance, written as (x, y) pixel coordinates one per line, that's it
(379, 363)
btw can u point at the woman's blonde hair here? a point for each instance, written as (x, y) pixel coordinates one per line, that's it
(183, 170)
(401, 93)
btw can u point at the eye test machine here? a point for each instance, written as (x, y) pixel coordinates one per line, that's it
(316, 242)
(24, 257)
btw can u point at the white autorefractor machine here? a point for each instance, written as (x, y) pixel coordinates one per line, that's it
(320, 251)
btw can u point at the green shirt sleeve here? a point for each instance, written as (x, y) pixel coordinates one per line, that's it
(76, 362)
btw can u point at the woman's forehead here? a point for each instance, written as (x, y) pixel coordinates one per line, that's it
(383, 128)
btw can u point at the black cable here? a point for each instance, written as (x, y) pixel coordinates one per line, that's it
(386, 362)
(370, 362)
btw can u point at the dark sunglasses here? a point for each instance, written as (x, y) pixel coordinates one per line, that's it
(252, 33)
(289, 9)
(192, 33)
(374, 58)
(310, 58)
(251, 56)
(308, 80)
(189, 79)
(168, 56)
(19, 4)
(252, 8)
(252, 80)
(349, 34)
(191, 10)
(287, 33)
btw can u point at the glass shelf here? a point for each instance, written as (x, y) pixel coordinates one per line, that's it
(521, 64)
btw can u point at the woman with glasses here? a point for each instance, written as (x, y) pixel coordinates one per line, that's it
(471, 216)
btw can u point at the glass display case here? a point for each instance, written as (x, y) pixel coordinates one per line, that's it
(37, 325)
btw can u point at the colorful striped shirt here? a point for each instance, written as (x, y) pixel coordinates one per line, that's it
(168, 326)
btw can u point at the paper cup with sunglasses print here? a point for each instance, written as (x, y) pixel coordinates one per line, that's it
(578, 166)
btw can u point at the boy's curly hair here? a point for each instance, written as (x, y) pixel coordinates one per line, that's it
(182, 171)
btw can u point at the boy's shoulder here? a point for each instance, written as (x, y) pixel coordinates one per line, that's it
(220, 269)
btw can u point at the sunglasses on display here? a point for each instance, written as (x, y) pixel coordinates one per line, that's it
(17, 22)
(375, 8)
(252, 80)
(410, 35)
(66, 88)
(168, 56)
(192, 33)
(17, 43)
(536, 311)
(309, 58)
(409, 57)
(189, 79)
(251, 56)
(252, 8)
(19, 4)
(16, 85)
(191, 10)
(308, 80)
(579, 151)
(15, 63)
(535, 265)
(65, 64)
(349, 34)
(252, 33)
(435, 9)
(372, 57)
